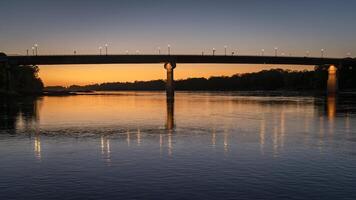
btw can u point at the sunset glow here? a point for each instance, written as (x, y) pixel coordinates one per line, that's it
(66, 75)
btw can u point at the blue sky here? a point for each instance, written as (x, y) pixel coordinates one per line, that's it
(189, 26)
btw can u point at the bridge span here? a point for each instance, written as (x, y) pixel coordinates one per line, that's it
(170, 62)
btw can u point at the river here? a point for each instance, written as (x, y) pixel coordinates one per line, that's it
(204, 145)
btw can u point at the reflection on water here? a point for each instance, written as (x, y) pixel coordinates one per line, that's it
(224, 144)
(16, 112)
(105, 149)
(37, 146)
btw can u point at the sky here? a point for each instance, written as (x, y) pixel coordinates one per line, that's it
(189, 26)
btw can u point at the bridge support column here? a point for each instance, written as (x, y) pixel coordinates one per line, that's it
(332, 80)
(170, 80)
(5, 72)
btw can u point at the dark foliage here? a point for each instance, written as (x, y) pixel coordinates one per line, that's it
(274, 79)
(20, 79)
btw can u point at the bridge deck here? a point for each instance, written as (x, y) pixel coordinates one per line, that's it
(137, 59)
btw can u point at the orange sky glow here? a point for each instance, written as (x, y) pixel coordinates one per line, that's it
(66, 75)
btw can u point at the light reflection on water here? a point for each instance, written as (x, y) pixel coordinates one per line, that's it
(209, 145)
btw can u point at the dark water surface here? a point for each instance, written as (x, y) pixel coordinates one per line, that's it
(135, 145)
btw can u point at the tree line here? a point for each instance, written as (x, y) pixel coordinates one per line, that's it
(273, 79)
(19, 79)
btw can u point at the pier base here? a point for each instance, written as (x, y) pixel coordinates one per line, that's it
(332, 85)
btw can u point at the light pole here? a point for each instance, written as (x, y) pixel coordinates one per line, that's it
(100, 48)
(36, 49)
(75, 52)
(159, 50)
(106, 49)
(27, 52)
(263, 52)
(232, 53)
(322, 53)
(225, 49)
(202, 53)
(275, 51)
(33, 50)
(214, 51)
(169, 49)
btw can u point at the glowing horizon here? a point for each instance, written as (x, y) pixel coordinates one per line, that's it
(66, 75)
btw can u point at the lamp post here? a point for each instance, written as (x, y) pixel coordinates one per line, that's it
(263, 52)
(33, 50)
(75, 52)
(106, 49)
(27, 52)
(225, 47)
(214, 51)
(322, 53)
(100, 49)
(169, 49)
(36, 49)
(275, 51)
(159, 50)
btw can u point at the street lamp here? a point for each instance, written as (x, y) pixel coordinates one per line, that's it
(322, 53)
(33, 50)
(169, 49)
(214, 51)
(263, 52)
(36, 49)
(159, 50)
(225, 49)
(106, 49)
(100, 48)
(75, 52)
(202, 53)
(27, 52)
(276, 51)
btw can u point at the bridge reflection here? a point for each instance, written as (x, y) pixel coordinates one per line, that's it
(271, 129)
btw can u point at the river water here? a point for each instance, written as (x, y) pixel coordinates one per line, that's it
(204, 145)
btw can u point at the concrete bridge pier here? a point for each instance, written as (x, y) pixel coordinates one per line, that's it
(169, 66)
(5, 70)
(332, 85)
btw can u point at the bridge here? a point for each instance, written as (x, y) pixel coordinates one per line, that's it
(170, 62)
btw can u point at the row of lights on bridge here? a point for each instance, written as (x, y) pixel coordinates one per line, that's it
(34, 49)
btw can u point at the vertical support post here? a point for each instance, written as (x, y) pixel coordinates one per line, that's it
(4, 67)
(332, 80)
(170, 80)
